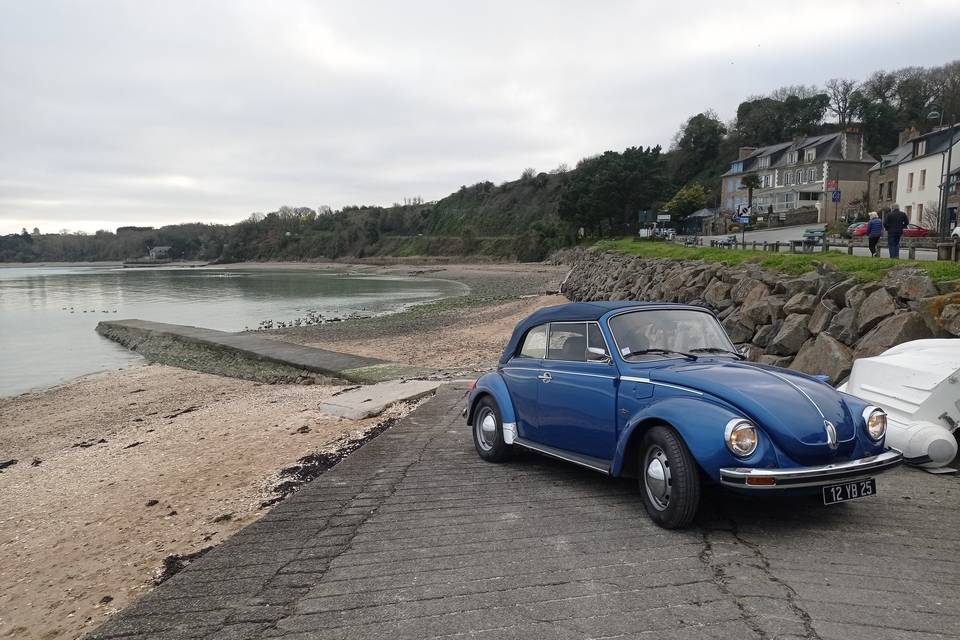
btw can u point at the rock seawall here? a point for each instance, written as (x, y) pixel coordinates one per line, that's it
(817, 323)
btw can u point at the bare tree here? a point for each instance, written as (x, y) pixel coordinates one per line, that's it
(839, 90)
(798, 90)
(930, 218)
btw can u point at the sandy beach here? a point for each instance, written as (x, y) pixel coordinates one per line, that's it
(117, 471)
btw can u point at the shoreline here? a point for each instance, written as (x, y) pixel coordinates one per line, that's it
(147, 462)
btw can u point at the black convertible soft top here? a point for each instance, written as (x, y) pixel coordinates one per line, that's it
(572, 312)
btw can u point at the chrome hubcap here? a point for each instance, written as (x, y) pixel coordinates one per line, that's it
(657, 477)
(486, 429)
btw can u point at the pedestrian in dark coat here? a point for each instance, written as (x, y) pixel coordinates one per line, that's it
(874, 233)
(895, 222)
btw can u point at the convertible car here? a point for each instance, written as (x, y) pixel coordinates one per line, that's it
(660, 393)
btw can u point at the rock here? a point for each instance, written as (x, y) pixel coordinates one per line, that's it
(916, 287)
(762, 311)
(874, 308)
(717, 294)
(737, 331)
(931, 310)
(801, 303)
(949, 286)
(7, 463)
(750, 351)
(807, 283)
(824, 355)
(776, 361)
(763, 334)
(823, 313)
(843, 326)
(857, 294)
(950, 319)
(838, 292)
(747, 288)
(791, 335)
(903, 327)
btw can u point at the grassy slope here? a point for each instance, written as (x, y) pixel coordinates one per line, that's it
(862, 268)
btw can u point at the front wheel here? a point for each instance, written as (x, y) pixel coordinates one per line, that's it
(488, 432)
(669, 482)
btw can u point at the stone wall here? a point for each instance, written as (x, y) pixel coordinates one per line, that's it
(817, 323)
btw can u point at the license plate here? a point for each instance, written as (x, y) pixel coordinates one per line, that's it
(835, 493)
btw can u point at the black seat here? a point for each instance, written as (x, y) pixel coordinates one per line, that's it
(574, 348)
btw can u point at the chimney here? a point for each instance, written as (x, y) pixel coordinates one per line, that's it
(907, 135)
(744, 152)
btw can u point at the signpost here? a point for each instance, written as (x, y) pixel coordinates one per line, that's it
(836, 196)
(836, 206)
(663, 217)
(831, 185)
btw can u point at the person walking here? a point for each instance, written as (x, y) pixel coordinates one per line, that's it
(874, 232)
(895, 222)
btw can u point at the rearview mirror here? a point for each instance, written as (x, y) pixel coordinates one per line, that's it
(596, 354)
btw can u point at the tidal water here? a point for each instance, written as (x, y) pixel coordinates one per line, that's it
(48, 314)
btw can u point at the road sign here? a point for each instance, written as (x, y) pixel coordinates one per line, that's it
(743, 219)
(831, 185)
(663, 217)
(836, 196)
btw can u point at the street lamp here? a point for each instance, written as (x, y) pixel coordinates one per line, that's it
(944, 222)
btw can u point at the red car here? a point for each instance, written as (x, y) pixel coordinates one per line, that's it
(912, 231)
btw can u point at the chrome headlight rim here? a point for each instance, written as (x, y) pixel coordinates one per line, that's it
(868, 414)
(737, 425)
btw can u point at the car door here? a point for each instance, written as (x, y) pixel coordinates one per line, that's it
(520, 374)
(577, 398)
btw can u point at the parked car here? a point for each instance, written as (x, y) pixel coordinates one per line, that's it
(659, 392)
(851, 231)
(911, 231)
(917, 384)
(955, 233)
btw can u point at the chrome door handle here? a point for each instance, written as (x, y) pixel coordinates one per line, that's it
(545, 376)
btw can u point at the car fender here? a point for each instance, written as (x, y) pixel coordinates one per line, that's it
(492, 384)
(700, 422)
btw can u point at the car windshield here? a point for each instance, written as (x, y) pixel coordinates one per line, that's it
(668, 333)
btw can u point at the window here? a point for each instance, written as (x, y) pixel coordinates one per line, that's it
(811, 174)
(767, 181)
(764, 162)
(595, 340)
(809, 155)
(799, 176)
(923, 179)
(792, 157)
(921, 148)
(880, 193)
(736, 167)
(673, 329)
(568, 341)
(919, 212)
(535, 344)
(890, 190)
(910, 212)
(731, 183)
(788, 178)
(909, 182)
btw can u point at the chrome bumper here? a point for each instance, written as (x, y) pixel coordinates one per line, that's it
(799, 477)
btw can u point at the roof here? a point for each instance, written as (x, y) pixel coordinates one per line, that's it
(574, 312)
(703, 213)
(827, 145)
(898, 156)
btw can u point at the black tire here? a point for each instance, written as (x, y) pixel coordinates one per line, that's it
(490, 445)
(672, 504)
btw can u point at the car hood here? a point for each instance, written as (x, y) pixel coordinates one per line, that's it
(790, 407)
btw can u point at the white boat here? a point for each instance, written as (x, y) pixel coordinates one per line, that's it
(918, 384)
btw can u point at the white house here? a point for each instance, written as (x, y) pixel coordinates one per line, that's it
(919, 179)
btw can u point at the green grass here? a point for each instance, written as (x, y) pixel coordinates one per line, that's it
(862, 268)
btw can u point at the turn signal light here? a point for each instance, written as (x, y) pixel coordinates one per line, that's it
(762, 481)
(472, 386)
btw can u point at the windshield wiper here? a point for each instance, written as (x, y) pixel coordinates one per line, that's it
(717, 350)
(688, 356)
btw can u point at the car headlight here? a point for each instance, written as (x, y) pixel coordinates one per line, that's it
(875, 421)
(741, 437)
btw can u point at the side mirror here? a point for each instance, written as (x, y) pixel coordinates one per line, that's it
(596, 354)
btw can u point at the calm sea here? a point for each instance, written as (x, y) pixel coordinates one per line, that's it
(48, 314)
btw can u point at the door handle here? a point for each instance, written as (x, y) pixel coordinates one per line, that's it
(545, 376)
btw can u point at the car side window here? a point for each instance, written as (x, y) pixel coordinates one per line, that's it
(595, 340)
(535, 344)
(568, 341)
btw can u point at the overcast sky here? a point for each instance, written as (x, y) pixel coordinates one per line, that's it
(117, 113)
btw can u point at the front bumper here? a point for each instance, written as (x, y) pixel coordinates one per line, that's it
(800, 477)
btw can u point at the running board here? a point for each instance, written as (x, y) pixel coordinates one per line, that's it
(595, 464)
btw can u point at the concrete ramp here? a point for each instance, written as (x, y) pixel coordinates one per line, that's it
(372, 400)
(251, 357)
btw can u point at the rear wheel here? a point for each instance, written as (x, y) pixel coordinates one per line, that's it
(669, 482)
(488, 432)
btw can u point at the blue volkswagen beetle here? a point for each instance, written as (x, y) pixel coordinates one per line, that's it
(659, 392)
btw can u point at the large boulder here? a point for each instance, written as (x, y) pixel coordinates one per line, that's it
(763, 311)
(824, 355)
(903, 327)
(717, 294)
(748, 288)
(916, 287)
(822, 315)
(875, 307)
(807, 283)
(838, 291)
(857, 294)
(843, 326)
(737, 331)
(950, 319)
(800, 303)
(763, 335)
(931, 310)
(776, 361)
(791, 336)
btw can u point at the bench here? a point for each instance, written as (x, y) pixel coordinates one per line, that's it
(811, 238)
